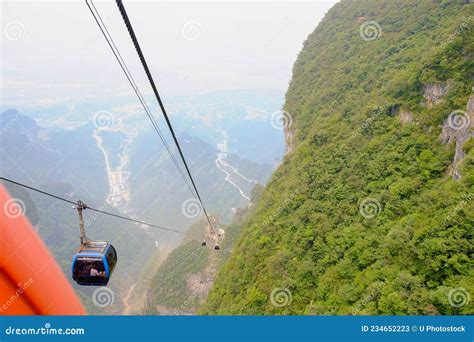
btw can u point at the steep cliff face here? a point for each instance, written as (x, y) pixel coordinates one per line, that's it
(363, 216)
(457, 130)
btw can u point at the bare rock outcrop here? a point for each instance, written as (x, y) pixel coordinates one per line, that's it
(289, 141)
(458, 128)
(434, 93)
(405, 116)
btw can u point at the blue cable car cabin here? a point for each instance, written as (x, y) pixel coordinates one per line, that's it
(94, 263)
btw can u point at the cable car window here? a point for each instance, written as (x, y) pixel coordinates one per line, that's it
(89, 271)
(111, 256)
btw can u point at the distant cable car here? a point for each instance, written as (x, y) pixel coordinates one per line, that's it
(95, 261)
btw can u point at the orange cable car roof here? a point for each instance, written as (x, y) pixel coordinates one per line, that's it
(31, 282)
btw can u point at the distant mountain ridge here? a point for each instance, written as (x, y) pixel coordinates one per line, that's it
(29, 152)
(58, 151)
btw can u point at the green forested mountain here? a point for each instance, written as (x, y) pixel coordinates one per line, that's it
(372, 211)
(182, 281)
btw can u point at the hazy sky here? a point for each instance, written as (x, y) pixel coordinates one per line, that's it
(54, 51)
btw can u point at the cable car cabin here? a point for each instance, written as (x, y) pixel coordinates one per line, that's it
(94, 263)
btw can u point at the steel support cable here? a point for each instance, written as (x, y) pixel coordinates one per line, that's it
(94, 209)
(128, 24)
(98, 19)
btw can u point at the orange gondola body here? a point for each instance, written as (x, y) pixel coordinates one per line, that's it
(31, 282)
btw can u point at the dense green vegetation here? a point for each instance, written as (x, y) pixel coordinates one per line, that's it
(411, 251)
(169, 288)
(169, 285)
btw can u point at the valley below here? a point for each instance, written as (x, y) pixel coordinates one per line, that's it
(135, 174)
(348, 193)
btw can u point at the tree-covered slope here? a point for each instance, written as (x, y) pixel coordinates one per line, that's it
(368, 214)
(182, 281)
